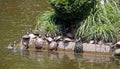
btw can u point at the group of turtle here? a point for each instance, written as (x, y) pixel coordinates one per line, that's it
(46, 42)
(42, 42)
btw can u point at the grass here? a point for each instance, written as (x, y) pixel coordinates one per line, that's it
(102, 23)
(46, 23)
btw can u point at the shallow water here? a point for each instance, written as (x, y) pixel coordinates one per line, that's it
(16, 17)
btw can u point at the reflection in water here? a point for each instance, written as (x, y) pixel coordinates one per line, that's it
(69, 60)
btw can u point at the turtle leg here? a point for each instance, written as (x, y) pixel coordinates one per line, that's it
(55, 49)
(27, 47)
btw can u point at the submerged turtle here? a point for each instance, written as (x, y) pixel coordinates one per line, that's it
(11, 46)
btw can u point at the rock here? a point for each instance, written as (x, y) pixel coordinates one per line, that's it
(70, 46)
(61, 45)
(96, 48)
(66, 45)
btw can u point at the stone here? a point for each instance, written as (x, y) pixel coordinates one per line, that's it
(96, 48)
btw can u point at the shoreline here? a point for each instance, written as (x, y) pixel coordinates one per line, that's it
(72, 52)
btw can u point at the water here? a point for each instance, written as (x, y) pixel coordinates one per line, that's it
(16, 17)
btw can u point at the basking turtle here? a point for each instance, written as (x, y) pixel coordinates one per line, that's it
(117, 52)
(36, 32)
(39, 42)
(24, 42)
(78, 47)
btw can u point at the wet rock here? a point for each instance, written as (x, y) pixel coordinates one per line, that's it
(96, 48)
(61, 45)
(66, 45)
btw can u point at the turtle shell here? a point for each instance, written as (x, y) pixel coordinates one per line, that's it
(118, 43)
(68, 39)
(35, 32)
(25, 37)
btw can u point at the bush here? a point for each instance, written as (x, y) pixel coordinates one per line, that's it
(70, 12)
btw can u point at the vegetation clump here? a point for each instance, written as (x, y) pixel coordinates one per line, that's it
(46, 23)
(87, 19)
(102, 23)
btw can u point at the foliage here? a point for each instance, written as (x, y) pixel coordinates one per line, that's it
(72, 11)
(118, 3)
(46, 23)
(102, 23)
(91, 19)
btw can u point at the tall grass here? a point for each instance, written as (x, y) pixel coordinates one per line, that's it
(102, 23)
(46, 23)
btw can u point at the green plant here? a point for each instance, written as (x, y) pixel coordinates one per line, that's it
(70, 12)
(102, 23)
(46, 23)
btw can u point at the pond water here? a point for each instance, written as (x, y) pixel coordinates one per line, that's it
(16, 17)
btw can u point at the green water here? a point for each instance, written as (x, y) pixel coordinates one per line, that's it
(16, 17)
